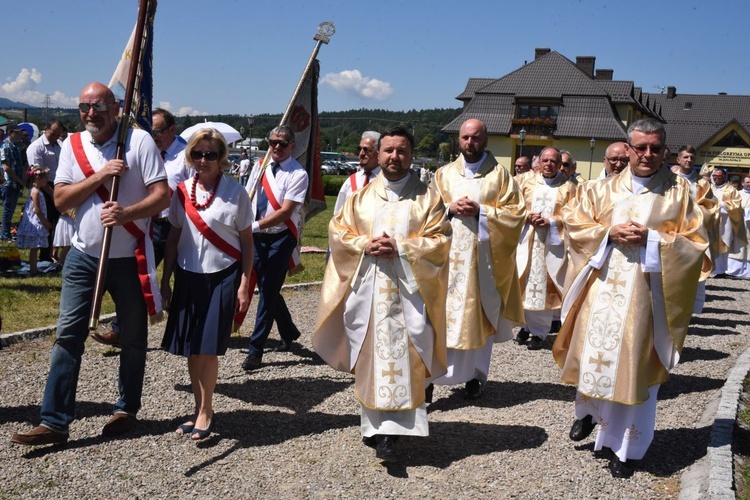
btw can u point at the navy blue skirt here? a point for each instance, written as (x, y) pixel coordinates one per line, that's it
(202, 311)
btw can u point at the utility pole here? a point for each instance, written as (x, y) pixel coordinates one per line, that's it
(47, 102)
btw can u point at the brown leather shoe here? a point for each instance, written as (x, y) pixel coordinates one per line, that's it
(109, 338)
(39, 435)
(120, 423)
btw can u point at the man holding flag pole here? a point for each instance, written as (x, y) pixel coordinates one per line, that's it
(114, 178)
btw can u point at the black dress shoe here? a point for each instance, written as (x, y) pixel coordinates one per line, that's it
(582, 428)
(474, 389)
(535, 343)
(386, 448)
(251, 363)
(371, 441)
(285, 346)
(556, 325)
(619, 468)
(429, 390)
(522, 337)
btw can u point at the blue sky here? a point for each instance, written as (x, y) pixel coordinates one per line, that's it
(245, 57)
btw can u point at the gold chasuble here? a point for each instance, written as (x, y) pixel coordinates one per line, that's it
(744, 253)
(731, 221)
(541, 264)
(623, 328)
(383, 319)
(483, 282)
(703, 195)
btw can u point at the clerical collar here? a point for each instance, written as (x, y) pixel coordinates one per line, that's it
(398, 185)
(639, 183)
(550, 180)
(475, 166)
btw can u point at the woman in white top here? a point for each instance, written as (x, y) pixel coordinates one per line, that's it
(210, 252)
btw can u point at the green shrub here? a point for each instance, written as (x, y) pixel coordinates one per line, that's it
(332, 184)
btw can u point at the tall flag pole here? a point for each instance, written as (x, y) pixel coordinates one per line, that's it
(302, 116)
(138, 94)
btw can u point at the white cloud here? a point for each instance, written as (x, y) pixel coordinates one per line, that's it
(351, 82)
(23, 89)
(183, 111)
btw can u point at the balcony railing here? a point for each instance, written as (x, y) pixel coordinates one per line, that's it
(533, 126)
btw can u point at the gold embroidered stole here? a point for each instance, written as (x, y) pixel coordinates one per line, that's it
(463, 279)
(390, 353)
(535, 297)
(606, 325)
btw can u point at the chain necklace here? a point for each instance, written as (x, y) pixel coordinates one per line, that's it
(212, 194)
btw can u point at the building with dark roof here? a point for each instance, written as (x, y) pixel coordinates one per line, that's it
(553, 101)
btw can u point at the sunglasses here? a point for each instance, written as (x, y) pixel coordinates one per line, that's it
(641, 150)
(99, 107)
(283, 144)
(208, 155)
(366, 150)
(157, 133)
(566, 164)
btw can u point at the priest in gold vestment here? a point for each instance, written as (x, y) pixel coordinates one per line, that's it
(541, 258)
(700, 190)
(739, 262)
(484, 299)
(637, 242)
(382, 305)
(731, 222)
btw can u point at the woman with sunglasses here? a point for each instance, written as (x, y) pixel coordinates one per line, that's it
(210, 252)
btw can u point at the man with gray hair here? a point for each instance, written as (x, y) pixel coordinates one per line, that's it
(281, 191)
(637, 244)
(369, 168)
(541, 254)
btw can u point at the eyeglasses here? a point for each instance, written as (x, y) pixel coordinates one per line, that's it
(99, 107)
(283, 144)
(641, 150)
(366, 150)
(157, 132)
(208, 155)
(566, 164)
(624, 159)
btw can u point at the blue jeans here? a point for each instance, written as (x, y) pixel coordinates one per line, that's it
(10, 200)
(271, 261)
(79, 276)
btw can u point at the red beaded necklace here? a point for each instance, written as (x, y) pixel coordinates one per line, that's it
(201, 206)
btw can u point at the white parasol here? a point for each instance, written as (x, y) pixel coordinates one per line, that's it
(230, 133)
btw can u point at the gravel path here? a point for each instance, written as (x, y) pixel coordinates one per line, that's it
(291, 429)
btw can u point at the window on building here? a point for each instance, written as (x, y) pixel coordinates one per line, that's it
(541, 111)
(732, 140)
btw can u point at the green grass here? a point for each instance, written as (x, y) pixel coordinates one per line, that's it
(34, 302)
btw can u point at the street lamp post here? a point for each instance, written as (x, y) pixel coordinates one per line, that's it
(592, 143)
(522, 136)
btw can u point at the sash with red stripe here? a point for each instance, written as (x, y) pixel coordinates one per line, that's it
(216, 241)
(203, 228)
(150, 292)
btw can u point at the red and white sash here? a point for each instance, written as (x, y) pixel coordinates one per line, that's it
(144, 250)
(273, 194)
(353, 181)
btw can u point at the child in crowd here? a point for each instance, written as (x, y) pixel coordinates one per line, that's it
(63, 235)
(33, 231)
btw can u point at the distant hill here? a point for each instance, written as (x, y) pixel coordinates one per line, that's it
(7, 103)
